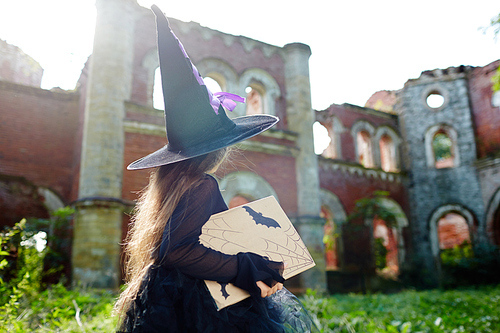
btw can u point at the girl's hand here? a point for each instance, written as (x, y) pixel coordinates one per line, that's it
(265, 290)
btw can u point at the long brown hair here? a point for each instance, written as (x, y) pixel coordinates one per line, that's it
(154, 208)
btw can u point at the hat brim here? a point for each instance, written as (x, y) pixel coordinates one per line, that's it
(246, 127)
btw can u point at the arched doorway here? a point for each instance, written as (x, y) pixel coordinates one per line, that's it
(334, 214)
(454, 237)
(330, 239)
(493, 219)
(449, 226)
(242, 186)
(385, 248)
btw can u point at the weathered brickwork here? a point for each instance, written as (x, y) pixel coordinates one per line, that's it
(486, 117)
(430, 188)
(37, 138)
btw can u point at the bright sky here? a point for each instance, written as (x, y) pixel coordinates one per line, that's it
(358, 47)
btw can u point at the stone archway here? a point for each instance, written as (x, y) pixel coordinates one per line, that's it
(20, 199)
(493, 219)
(397, 230)
(438, 214)
(334, 213)
(247, 185)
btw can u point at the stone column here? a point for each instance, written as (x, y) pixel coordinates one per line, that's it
(300, 117)
(99, 211)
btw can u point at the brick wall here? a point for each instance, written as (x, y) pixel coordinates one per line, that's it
(277, 170)
(485, 116)
(348, 115)
(37, 136)
(201, 43)
(352, 182)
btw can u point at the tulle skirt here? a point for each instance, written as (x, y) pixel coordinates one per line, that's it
(170, 301)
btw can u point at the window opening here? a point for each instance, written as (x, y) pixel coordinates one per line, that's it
(364, 149)
(385, 248)
(435, 100)
(254, 101)
(323, 141)
(442, 147)
(158, 102)
(387, 153)
(212, 84)
(454, 238)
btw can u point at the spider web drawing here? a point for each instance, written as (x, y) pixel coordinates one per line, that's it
(236, 230)
(221, 236)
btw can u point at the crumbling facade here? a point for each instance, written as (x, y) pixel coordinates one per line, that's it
(71, 148)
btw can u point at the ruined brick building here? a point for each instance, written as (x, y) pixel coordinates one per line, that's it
(71, 147)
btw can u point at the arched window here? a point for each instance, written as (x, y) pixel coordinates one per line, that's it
(387, 153)
(261, 90)
(450, 226)
(442, 147)
(322, 140)
(255, 99)
(212, 84)
(330, 239)
(364, 145)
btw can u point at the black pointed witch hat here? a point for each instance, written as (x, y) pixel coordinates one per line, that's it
(196, 121)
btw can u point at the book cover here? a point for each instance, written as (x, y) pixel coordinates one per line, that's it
(261, 227)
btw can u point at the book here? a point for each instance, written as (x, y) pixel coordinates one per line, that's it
(261, 227)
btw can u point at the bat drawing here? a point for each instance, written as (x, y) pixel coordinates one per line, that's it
(261, 219)
(223, 290)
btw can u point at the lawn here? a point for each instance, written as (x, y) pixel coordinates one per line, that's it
(468, 310)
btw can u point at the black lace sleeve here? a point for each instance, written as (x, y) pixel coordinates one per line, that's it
(181, 248)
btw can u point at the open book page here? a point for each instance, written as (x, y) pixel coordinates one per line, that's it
(261, 227)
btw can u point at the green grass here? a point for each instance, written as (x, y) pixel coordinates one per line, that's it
(468, 310)
(465, 310)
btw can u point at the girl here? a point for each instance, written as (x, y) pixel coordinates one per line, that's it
(166, 265)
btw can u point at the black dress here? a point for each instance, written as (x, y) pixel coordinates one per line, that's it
(173, 295)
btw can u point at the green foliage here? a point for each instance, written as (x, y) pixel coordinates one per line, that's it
(24, 270)
(495, 24)
(454, 255)
(477, 266)
(496, 80)
(57, 309)
(372, 206)
(20, 272)
(430, 311)
(441, 145)
(380, 253)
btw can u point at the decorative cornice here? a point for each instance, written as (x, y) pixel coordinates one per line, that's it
(143, 128)
(280, 134)
(323, 115)
(487, 162)
(207, 34)
(130, 106)
(357, 169)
